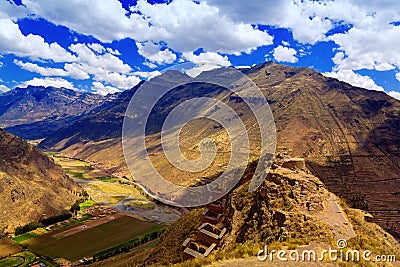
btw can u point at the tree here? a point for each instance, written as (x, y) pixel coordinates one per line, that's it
(2, 230)
(85, 195)
(75, 207)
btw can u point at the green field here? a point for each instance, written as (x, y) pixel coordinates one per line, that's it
(107, 179)
(28, 256)
(21, 259)
(12, 261)
(99, 185)
(86, 204)
(24, 237)
(88, 242)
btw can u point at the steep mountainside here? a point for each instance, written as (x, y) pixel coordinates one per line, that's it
(349, 136)
(35, 112)
(32, 186)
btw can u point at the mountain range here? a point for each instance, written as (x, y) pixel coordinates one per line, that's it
(348, 136)
(35, 112)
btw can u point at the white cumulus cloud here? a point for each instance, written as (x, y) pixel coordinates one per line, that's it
(47, 71)
(394, 94)
(195, 71)
(12, 41)
(368, 49)
(99, 88)
(46, 82)
(86, 55)
(97, 47)
(4, 88)
(10, 11)
(306, 25)
(354, 79)
(153, 53)
(105, 20)
(116, 79)
(147, 74)
(208, 57)
(205, 61)
(398, 76)
(182, 24)
(285, 54)
(185, 26)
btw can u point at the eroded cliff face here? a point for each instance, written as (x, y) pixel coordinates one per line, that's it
(32, 186)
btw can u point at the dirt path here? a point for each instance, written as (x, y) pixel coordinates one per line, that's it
(335, 216)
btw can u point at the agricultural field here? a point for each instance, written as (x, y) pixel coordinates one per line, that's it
(76, 169)
(87, 242)
(97, 183)
(22, 259)
(86, 204)
(11, 261)
(139, 203)
(24, 237)
(110, 193)
(8, 247)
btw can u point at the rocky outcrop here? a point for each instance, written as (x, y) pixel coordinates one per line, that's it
(283, 207)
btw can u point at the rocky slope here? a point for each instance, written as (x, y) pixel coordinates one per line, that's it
(35, 112)
(349, 136)
(292, 209)
(32, 186)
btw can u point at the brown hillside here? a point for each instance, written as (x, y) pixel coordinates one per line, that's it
(32, 186)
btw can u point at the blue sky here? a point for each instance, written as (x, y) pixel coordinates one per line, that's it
(105, 46)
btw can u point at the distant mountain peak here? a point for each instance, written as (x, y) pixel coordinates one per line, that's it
(36, 104)
(171, 75)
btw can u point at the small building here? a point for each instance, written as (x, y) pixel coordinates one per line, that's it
(196, 250)
(210, 234)
(212, 217)
(217, 206)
